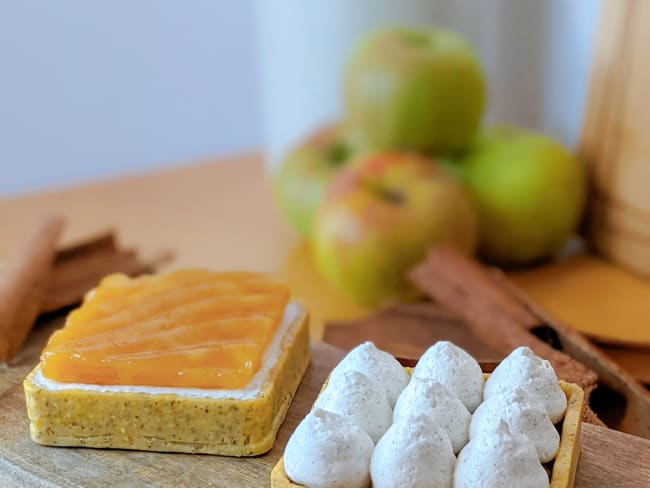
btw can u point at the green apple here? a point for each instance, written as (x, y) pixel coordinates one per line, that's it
(529, 191)
(308, 168)
(412, 90)
(379, 217)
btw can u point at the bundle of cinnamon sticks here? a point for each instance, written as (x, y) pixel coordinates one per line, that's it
(37, 277)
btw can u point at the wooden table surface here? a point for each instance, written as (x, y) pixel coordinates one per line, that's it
(609, 459)
(220, 215)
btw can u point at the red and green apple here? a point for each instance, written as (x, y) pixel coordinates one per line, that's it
(379, 217)
(308, 168)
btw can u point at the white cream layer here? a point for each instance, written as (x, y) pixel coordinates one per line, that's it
(251, 390)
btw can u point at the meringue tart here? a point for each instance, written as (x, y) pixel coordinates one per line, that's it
(189, 361)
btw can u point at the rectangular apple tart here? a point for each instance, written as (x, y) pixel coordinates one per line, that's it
(191, 361)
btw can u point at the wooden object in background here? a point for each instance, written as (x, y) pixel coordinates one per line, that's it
(603, 301)
(616, 136)
(80, 267)
(635, 361)
(24, 278)
(463, 286)
(407, 331)
(36, 279)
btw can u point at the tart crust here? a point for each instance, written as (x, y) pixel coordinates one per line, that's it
(173, 422)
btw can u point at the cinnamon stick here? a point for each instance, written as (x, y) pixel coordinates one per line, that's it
(24, 278)
(493, 313)
(104, 242)
(458, 283)
(407, 331)
(78, 269)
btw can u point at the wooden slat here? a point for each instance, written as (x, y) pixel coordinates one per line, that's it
(616, 134)
(606, 52)
(612, 459)
(24, 279)
(636, 361)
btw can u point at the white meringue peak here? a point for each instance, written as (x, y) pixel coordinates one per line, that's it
(354, 395)
(453, 367)
(382, 368)
(415, 453)
(328, 450)
(523, 416)
(534, 375)
(425, 396)
(500, 460)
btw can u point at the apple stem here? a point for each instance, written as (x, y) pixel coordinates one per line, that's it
(388, 194)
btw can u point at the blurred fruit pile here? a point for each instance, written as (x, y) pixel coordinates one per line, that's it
(410, 167)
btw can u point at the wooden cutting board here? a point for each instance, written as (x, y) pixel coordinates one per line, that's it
(609, 459)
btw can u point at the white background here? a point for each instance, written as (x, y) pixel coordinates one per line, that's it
(90, 89)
